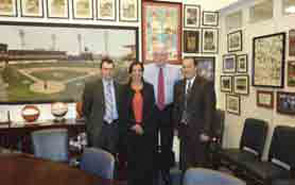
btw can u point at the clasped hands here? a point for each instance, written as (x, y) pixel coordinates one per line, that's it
(138, 129)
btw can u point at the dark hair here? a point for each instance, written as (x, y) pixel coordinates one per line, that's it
(194, 60)
(106, 60)
(135, 63)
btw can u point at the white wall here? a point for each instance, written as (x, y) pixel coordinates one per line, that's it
(279, 23)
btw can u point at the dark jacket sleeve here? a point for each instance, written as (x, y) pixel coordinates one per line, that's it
(176, 113)
(87, 99)
(210, 107)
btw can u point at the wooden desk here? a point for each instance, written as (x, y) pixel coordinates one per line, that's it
(22, 169)
(15, 134)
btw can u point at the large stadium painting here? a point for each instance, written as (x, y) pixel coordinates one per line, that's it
(41, 63)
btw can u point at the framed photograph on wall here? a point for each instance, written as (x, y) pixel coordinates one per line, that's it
(161, 27)
(292, 43)
(191, 41)
(241, 84)
(106, 10)
(242, 63)
(210, 18)
(226, 83)
(206, 67)
(58, 8)
(233, 104)
(128, 10)
(286, 103)
(229, 63)
(82, 9)
(8, 8)
(235, 41)
(209, 40)
(192, 16)
(269, 60)
(291, 74)
(264, 99)
(32, 8)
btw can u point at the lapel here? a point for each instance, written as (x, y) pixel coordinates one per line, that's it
(116, 88)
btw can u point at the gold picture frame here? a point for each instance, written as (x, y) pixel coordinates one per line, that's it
(32, 8)
(58, 8)
(106, 10)
(82, 9)
(128, 10)
(8, 8)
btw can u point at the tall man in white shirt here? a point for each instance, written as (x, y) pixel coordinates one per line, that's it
(163, 76)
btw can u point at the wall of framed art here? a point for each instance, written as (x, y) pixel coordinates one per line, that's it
(263, 50)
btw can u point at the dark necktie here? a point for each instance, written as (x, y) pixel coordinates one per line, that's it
(161, 90)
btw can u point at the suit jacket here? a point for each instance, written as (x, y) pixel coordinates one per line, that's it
(200, 108)
(93, 108)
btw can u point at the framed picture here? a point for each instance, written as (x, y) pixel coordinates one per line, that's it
(229, 63)
(242, 63)
(106, 10)
(129, 10)
(233, 104)
(192, 16)
(31, 8)
(235, 41)
(268, 60)
(206, 67)
(82, 9)
(210, 18)
(8, 8)
(58, 8)
(209, 40)
(226, 83)
(51, 62)
(264, 99)
(161, 26)
(292, 42)
(291, 74)
(286, 103)
(241, 84)
(191, 41)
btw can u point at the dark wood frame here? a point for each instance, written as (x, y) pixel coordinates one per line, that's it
(197, 35)
(292, 42)
(235, 84)
(239, 70)
(238, 112)
(122, 20)
(212, 59)
(15, 9)
(210, 12)
(289, 75)
(270, 104)
(217, 40)
(22, 12)
(185, 15)
(83, 18)
(224, 57)
(98, 18)
(280, 109)
(48, 15)
(240, 48)
(231, 83)
(282, 62)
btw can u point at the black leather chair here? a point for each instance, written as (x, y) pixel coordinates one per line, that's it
(251, 145)
(281, 160)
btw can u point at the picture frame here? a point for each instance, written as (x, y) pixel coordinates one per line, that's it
(192, 16)
(242, 63)
(106, 10)
(235, 41)
(161, 30)
(286, 103)
(241, 84)
(226, 83)
(210, 18)
(55, 71)
(82, 9)
(268, 66)
(292, 43)
(191, 41)
(265, 99)
(8, 8)
(210, 40)
(58, 9)
(291, 74)
(229, 63)
(206, 67)
(233, 104)
(128, 10)
(32, 8)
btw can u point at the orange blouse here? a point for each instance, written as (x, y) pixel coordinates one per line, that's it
(137, 106)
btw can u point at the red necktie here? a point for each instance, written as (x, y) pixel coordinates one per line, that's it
(161, 90)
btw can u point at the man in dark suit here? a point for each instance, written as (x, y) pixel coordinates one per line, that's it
(193, 113)
(100, 109)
